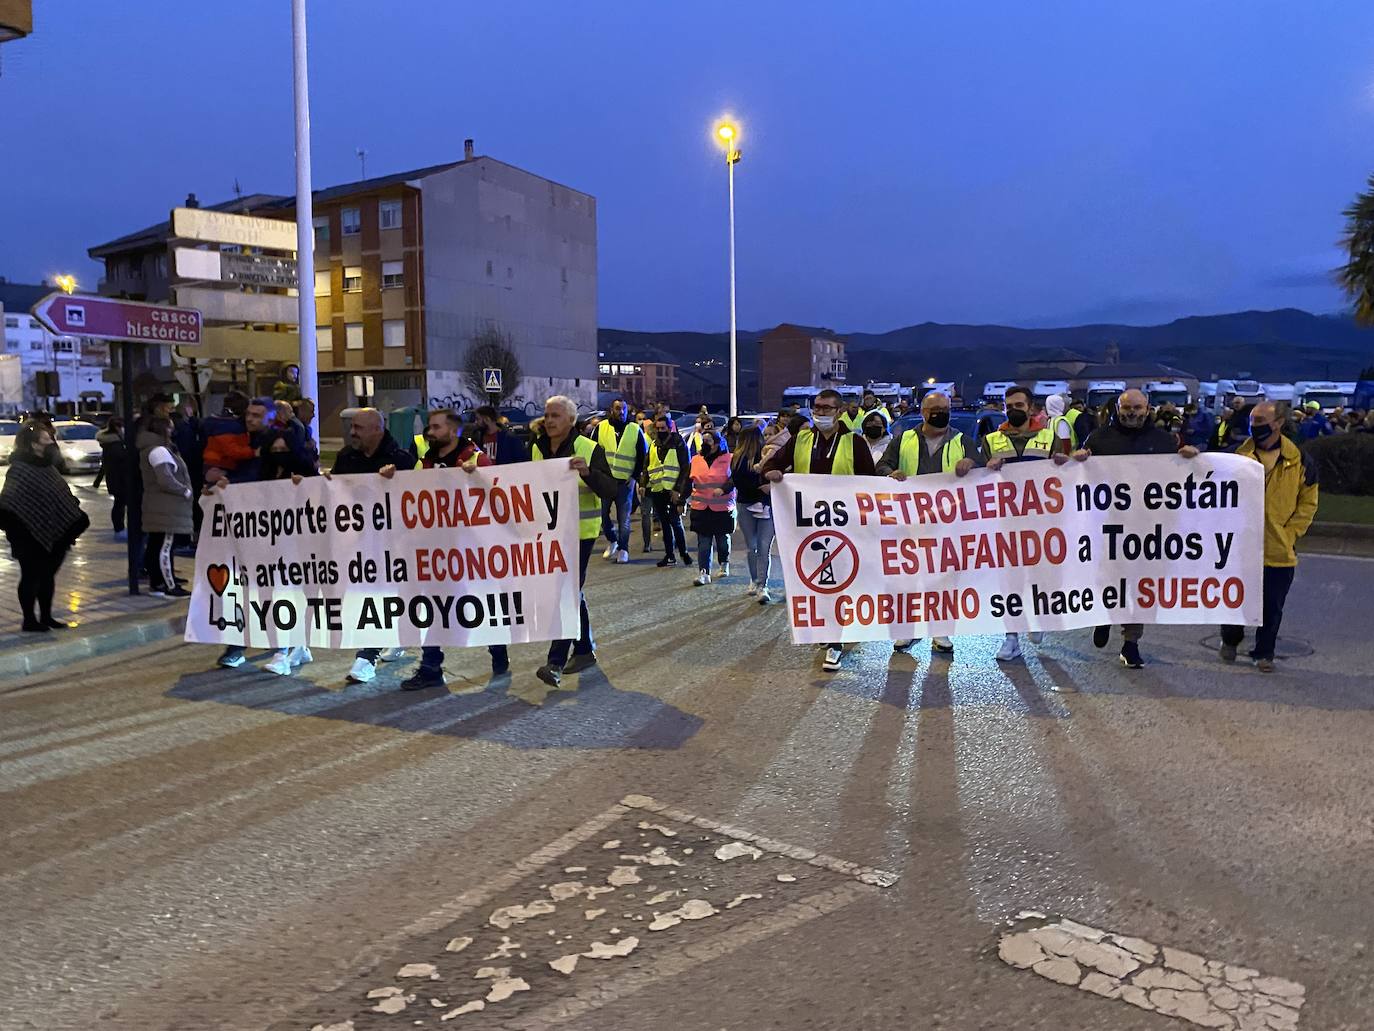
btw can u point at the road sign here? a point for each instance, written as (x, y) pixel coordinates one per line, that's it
(273, 234)
(491, 381)
(106, 318)
(253, 269)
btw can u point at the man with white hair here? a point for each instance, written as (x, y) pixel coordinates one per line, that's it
(371, 449)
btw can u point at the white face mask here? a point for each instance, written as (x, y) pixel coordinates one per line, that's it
(824, 422)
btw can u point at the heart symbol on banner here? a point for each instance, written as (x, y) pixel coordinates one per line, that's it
(218, 575)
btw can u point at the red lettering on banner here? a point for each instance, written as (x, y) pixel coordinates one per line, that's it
(864, 503)
(1189, 592)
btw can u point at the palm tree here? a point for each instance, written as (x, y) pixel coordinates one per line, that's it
(1356, 276)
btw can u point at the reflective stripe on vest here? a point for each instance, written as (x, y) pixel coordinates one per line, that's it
(1000, 445)
(707, 480)
(1053, 427)
(844, 453)
(588, 504)
(951, 454)
(620, 457)
(663, 472)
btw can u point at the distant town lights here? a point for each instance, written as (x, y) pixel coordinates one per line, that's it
(66, 283)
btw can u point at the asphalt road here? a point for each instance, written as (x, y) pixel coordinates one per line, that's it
(191, 848)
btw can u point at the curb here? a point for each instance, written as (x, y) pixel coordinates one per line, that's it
(115, 635)
(1343, 531)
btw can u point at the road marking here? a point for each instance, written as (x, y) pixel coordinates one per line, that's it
(1161, 979)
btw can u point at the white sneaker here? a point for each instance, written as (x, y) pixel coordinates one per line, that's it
(300, 656)
(723, 571)
(703, 579)
(833, 656)
(281, 663)
(363, 672)
(1036, 636)
(609, 553)
(622, 557)
(753, 589)
(1011, 649)
(764, 598)
(392, 654)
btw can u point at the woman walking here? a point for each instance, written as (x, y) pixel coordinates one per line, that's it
(42, 519)
(754, 510)
(713, 506)
(166, 505)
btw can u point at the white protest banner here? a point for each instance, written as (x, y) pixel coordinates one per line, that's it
(434, 556)
(1033, 546)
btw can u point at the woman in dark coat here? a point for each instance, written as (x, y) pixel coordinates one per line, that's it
(42, 519)
(166, 505)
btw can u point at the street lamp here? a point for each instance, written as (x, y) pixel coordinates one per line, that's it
(727, 133)
(65, 283)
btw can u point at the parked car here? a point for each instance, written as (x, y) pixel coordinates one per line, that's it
(966, 422)
(8, 429)
(80, 450)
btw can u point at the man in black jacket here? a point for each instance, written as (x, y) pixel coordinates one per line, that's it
(669, 480)
(371, 449)
(1131, 432)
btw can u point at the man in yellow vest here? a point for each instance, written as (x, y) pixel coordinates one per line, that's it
(825, 450)
(933, 447)
(668, 483)
(558, 438)
(627, 454)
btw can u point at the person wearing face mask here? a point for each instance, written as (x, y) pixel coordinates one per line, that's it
(712, 507)
(1290, 502)
(824, 450)
(1131, 432)
(877, 433)
(932, 447)
(626, 453)
(669, 481)
(1060, 425)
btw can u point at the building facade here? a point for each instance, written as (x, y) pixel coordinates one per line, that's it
(799, 356)
(642, 382)
(79, 362)
(410, 269)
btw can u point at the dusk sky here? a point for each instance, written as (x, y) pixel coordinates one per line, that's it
(1025, 163)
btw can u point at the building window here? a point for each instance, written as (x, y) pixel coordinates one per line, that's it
(394, 333)
(63, 346)
(389, 214)
(322, 288)
(162, 266)
(324, 338)
(321, 224)
(135, 268)
(393, 275)
(35, 345)
(11, 321)
(352, 221)
(353, 279)
(353, 336)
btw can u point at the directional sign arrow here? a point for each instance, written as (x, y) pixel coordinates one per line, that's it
(105, 318)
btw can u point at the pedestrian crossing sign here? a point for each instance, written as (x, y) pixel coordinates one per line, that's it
(491, 381)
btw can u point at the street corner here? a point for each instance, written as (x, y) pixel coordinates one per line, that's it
(637, 895)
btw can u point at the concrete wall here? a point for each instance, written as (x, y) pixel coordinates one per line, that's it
(447, 389)
(509, 250)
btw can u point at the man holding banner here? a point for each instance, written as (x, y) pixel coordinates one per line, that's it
(824, 450)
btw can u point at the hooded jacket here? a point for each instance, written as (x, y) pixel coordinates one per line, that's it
(166, 487)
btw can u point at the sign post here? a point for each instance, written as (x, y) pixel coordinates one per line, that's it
(126, 323)
(491, 382)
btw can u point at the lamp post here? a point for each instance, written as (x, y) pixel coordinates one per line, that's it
(728, 134)
(305, 221)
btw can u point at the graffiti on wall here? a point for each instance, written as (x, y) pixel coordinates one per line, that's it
(448, 390)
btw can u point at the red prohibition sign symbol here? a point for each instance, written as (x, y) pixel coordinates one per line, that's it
(834, 562)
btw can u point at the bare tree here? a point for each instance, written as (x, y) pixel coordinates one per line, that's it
(492, 349)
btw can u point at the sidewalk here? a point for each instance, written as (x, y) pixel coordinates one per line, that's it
(92, 592)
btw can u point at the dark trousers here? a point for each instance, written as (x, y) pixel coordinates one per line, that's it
(37, 576)
(432, 658)
(646, 521)
(670, 518)
(117, 511)
(157, 560)
(1277, 580)
(558, 651)
(705, 542)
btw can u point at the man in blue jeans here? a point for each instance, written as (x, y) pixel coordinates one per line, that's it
(627, 454)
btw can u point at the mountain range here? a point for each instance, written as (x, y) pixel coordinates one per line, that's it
(1272, 346)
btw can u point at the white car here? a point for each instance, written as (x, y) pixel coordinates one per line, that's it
(80, 450)
(8, 429)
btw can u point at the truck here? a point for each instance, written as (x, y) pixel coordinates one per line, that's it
(996, 391)
(933, 388)
(800, 396)
(1103, 391)
(1207, 396)
(1043, 388)
(1167, 391)
(1280, 393)
(1328, 394)
(889, 393)
(1248, 390)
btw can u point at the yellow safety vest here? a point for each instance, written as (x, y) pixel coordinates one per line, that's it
(1053, 427)
(844, 453)
(421, 445)
(588, 504)
(620, 457)
(663, 472)
(1039, 446)
(912, 442)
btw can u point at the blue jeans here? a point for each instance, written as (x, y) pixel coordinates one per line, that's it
(758, 544)
(705, 542)
(618, 532)
(558, 651)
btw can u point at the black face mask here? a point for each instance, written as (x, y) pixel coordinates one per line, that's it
(1017, 417)
(873, 432)
(940, 419)
(663, 435)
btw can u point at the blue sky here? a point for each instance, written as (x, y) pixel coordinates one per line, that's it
(1027, 163)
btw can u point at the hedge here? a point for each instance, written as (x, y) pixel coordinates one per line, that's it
(1345, 462)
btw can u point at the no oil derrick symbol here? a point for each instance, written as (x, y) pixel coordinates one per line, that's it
(827, 562)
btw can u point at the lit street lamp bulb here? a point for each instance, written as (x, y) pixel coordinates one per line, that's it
(726, 133)
(67, 284)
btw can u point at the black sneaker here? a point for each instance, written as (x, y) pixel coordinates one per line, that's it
(423, 678)
(1101, 635)
(1130, 656)
(549, 674)
(177, 592)
(666, 561)
(578, 663)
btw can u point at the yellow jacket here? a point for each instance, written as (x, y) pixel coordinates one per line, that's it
(1290, 501)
